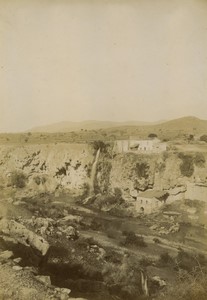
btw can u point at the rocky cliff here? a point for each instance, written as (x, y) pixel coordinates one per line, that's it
(46, 168)
(69, 167)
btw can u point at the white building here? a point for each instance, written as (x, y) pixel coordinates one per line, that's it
(150, 201)
(140, 146)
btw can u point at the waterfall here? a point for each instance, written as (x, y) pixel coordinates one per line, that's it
(93, 172)
(144, 284)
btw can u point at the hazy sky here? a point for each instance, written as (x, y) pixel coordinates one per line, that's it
(105, 60)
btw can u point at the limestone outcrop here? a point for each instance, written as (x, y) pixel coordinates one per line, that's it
(21, 234)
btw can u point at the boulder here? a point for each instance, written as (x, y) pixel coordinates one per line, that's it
(44, 279)
(17, 260)
(17, 268)
(69, 231)
(70, 218)
(159, 281)
(6, 255)
(23, 235)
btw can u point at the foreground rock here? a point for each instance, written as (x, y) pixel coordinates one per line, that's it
(23, 235)
(17, 283)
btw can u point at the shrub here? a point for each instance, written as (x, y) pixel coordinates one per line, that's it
(203, 138)
(111, 233)
(134, 240)
(165, 259)
(189, 262)
(152, 135)
(157, 241)
(145, 262)
(100, 145)
(141, 170)
(18, 179)
(189, 286)
(38, 180)
(199, 160)
(186, 167)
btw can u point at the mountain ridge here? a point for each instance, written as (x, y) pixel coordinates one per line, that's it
(183, 123)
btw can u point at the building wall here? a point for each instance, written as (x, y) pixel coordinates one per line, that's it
(196, 192)
(144, 146)
(148, 204)
(122, 146)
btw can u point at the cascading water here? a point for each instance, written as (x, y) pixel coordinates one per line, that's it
(144, 284)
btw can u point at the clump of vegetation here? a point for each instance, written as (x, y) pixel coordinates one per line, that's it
(199, 160)
(191, 278)
(132, 239)
(189, 262)
(165, 260)
(203, 138)
(100, 145)
(39, 180)
(18, 179)
(152, 135)
(145, 262)
(187, 166)
(111, 233)
(160, 167)
(108, 200)
(103, 168)
(142, 170)
(189, 286)
(123, 280)
(156, 241)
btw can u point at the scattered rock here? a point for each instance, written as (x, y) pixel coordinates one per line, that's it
(69, 231)
(27, 293)
(70, 218)
(20, 233)
(17, 260)
(44, 279)
(6, 254)
(65, 291)
(17, 268)
(159, 281)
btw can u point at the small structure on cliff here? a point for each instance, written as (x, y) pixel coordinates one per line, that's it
(150, 201)
(140, 146)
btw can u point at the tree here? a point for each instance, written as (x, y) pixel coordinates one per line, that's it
(152, 135)
(18, 179)
(203, 138)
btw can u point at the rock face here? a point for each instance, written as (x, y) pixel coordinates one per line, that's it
(6, 255)
(50, 168)
(47, 167)
(24, 236)
(135, 172)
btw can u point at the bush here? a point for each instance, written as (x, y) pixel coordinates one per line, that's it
(152, 135)
(111, 233)
(157, 241)
(188, 287)
(199, 160)
(100, 145)
(186, 167)
(39, 180)
(18, 179)
(189, 262)
(165, 259)
(203, 138)
(141, 170)
(133, 240)
(145, 262)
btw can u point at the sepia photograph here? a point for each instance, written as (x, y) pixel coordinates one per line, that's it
(103, 149)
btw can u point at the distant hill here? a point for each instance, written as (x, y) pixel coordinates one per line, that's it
(185, 125)
(87, 130)
(87, 125)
